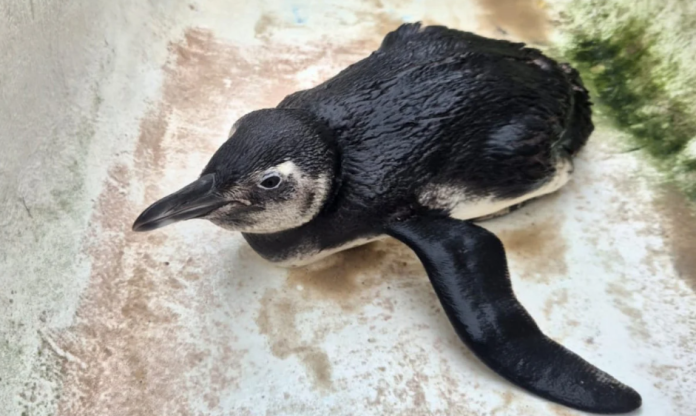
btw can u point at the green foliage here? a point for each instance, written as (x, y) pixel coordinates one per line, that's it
(622, 73)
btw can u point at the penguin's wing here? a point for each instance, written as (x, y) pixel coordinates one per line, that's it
(467, 267)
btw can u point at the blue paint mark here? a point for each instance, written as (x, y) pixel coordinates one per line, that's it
(298, 19)
(407, 18)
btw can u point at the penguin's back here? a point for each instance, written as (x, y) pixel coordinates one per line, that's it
(436, 106)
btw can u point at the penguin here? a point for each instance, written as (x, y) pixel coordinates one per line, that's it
(435, 130)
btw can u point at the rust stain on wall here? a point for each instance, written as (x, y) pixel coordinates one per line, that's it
(666, 376)
(622, 299)
(526, 20)
(344, 275)
(679, 230)
(277, 319)
(508, 398)
(265, 23)
(559, 410)
(383, 23)
(558, 298)
(345, 280)
(539, 248)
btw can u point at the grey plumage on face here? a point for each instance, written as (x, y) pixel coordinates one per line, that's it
(284, 196)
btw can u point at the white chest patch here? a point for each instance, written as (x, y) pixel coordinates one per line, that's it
(315, 256)
(457, 201)
(463, 206)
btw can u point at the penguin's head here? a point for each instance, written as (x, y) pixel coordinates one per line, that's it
(274, 173)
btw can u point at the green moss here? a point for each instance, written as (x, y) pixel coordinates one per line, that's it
(630, 85)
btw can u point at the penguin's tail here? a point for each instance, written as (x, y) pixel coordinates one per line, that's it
(579, 124)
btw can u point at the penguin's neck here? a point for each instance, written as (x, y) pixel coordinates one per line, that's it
(333, 148)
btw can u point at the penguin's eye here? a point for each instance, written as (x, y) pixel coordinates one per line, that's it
(271, 181)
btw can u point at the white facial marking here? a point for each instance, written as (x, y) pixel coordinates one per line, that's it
(305, 202)
(287, 168)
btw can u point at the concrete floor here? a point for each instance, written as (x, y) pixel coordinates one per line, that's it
(106, 107)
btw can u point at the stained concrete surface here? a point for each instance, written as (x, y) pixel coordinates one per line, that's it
(108, 106)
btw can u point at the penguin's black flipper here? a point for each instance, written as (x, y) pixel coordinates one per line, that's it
(468, 269)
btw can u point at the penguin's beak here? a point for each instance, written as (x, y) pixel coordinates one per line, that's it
(193, 201)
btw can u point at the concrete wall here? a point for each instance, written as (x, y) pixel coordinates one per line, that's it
(62, 85)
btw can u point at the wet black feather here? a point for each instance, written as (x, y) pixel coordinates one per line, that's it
(438, 105)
